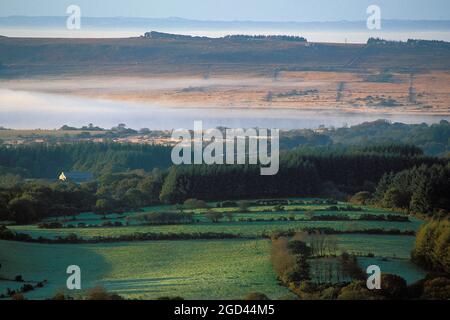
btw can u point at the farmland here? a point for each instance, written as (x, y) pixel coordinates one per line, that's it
(191, 269)
(198, 269)
(257, 221)
(221, 73)
(195, 269)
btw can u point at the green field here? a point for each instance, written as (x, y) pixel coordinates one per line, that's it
(255, 228)
(91, 219)
(223, 269)
(249, 229)
(194, 269)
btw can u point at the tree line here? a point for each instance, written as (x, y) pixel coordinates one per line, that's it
(400, 177)
(30, 201)
(421, 189)
(303, 172)
(47, 161)
(296, 261)
(431, 250)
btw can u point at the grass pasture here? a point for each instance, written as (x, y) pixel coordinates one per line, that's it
(223, 269)
(274, 220)
(246, 229)
(195, 269)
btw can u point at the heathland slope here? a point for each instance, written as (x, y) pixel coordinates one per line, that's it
(28, 56)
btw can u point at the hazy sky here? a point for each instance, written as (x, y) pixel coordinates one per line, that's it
(262, 10)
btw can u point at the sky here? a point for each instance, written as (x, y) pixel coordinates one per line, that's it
(255, 10)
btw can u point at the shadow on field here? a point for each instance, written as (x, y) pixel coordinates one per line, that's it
(38, 262)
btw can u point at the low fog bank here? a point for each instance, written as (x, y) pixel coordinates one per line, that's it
(135, 83)
(33, 110)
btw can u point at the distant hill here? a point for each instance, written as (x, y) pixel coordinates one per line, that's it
(177, 23)
(39, 56)
(241, 37)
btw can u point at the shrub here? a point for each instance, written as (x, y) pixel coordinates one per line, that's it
(300, 272)
(256, 296)
(214, 216)
(437, 289)
(50, 225)
(243, 206)
(298, 247)
(229, 216)
(59, 296)
(393, 286)
(356, 290)
(350, 267)
(194, 204)
(361, 198)
(100, 293)
(431, 248)
(26, 288)
(18, 296)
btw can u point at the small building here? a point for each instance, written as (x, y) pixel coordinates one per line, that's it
(77, 177)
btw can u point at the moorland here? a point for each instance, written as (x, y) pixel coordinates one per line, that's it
(238, 71)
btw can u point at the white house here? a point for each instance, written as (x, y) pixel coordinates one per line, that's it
(76, 177)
